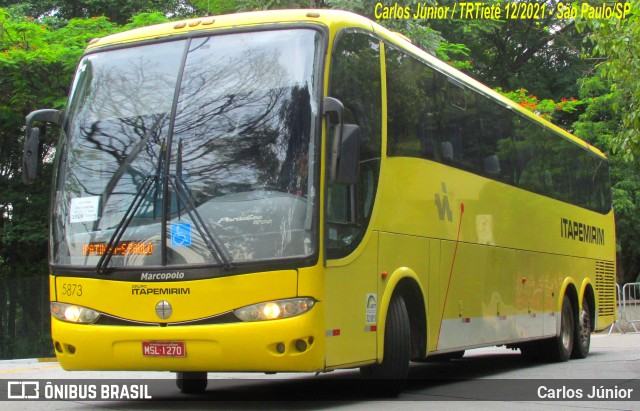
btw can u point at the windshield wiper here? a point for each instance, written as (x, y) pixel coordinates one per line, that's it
(127, 161)
(149, 181)
(103, 263)
(215, 246)
(176, 182)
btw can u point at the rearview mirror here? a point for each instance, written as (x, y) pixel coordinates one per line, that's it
(30, 157)
(32, 141)
(345, 152)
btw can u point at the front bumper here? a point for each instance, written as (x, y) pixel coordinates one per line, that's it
(265, 346)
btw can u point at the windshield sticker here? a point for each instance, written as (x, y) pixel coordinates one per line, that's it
(181, 235)
(84, 209)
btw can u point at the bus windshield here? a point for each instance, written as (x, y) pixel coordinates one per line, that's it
(192, 151)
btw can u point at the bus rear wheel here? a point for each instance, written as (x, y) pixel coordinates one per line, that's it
(556, 349)
(560, 348)
(582, 338)
(191, 382)
(394, 368)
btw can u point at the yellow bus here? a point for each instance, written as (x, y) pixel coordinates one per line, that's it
(305, 190)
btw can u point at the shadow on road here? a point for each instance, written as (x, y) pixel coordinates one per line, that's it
(427, 381)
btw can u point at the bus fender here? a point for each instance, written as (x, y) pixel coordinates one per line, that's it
(568, 288)
(587, 292)
(389, 285)
(584, 289)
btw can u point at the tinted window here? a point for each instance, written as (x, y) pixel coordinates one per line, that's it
(356, 82)
(437, 118)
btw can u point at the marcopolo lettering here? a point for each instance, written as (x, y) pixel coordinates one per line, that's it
(176, 275)
(577, 231)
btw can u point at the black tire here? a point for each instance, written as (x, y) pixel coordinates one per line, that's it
(556, 349)
(191, 382)
(560, 348)
(582, 337)
(394, 368)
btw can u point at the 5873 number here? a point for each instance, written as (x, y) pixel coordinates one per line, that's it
(72, 290)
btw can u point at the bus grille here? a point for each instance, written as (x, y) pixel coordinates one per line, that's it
(224, 318)
(606, 287)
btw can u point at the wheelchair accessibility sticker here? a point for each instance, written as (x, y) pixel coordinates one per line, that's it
(372, 308)
(181, 235)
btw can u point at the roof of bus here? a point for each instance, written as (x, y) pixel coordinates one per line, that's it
(331, 18)
(335, 20)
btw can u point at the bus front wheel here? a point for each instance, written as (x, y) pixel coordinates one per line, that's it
(394, 368)
(191, 382)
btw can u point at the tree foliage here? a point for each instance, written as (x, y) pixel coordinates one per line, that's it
(617, 40)
(541, 55)
(116, 11)
(252, 5)
(612, 120)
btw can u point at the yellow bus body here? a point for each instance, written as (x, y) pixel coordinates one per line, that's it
(495, 274)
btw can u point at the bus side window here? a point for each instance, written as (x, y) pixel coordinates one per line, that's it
(355, 81)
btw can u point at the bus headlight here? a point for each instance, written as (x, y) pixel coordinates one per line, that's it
(74, 313)
(275, 310)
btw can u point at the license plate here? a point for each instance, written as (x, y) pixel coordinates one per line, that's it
(164, 349)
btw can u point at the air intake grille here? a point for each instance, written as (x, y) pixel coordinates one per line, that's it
(606, 287)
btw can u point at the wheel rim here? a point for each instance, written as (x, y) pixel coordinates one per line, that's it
(585, 327)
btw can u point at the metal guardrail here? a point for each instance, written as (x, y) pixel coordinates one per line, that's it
(628, 308)
(631, 305)
(619, 311)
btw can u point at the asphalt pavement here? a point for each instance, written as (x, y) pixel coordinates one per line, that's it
(492, 378)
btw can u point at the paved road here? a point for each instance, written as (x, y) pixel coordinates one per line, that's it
(485, 379)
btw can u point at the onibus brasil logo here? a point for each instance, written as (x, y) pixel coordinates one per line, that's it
(75, 390)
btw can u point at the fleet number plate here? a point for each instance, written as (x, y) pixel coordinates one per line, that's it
(163, 349)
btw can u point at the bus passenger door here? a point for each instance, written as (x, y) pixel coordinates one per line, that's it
(350, 244)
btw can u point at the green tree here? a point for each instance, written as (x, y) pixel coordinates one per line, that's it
(214, 7)
(541, 55)
(612, 120)
(116, 11)
(600, 124)
(37, 63)
(617, 42)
